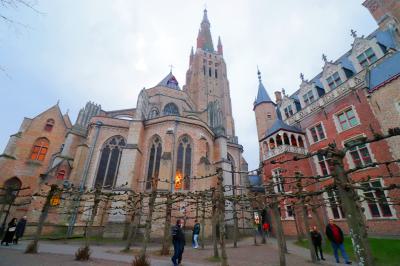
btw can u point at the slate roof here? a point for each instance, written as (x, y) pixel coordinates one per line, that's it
(384, 72)
(280, 125)
(262, 95)
(170, 82)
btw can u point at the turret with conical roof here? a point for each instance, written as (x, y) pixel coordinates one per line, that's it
(264, 109)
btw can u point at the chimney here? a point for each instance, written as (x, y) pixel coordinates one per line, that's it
(278, 97)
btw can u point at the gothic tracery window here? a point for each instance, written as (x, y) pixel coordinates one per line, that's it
(183, 164)
(109, 162)
(40, 149)
(153, 113)
(171, 109)
(154, 161)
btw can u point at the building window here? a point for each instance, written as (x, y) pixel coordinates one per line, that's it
(376, 199)
(289, 211)
(360, 155)
(277, 178)
(317, 133)
(40, 149)
(347, 119)
(334, 203)
(209, 71)
(216, 73)
(110, 157)
(325, 164)
(49, 125)
(366, 58)
(183, 165)
(334, 80)
(171, 109)
(204, 70)
(154, 161)
(153, 113)
(288, 111)
(61, 175)
(308, 97)
(269, 116)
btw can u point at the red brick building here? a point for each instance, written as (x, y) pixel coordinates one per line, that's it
(357, 96)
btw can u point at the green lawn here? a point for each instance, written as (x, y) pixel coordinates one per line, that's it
(386, 251)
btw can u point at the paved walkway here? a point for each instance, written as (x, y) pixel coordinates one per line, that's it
(110, 255)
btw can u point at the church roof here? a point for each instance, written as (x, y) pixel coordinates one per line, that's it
(385, 72)
(280, 125)
(262, 95)
(170, 82)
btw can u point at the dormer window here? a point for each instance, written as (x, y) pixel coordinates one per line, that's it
(308, 97)
(366, 58)
(288, 111)
(49, 125)
(334, 80)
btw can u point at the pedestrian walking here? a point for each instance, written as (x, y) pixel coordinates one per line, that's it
(178, 240)
(317, 242)
(8, 237)
(266, 228)
(20, 229)
(335, 236)
(196, 232)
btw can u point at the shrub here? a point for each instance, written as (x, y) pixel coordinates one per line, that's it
(31, 248)
(141, 260)
(83, 253)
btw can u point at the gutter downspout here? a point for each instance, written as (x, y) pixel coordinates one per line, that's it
(83, 181)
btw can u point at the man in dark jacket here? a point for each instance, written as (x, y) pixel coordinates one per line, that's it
(317, 242)
(335, 236)
(196, 232)
(19, 231)
(178, 240)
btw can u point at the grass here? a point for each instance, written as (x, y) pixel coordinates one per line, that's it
(385, 251)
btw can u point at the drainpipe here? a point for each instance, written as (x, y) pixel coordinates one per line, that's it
(83, 181)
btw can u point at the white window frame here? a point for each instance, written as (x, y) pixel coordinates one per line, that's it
(307, 94)
(348, 156)
(278, 178)
(329, 208)
(289, 110)
(334, 80)
(319, 169)
(366, 57)
(309, 134)
(336, 120)
(287, 217)
(367, 211)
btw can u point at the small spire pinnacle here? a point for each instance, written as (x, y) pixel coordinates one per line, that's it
(302, 76)
(191, 51)
(205, 17)
(324, 58)
(353, 33)
(258, 74)
(170, 68)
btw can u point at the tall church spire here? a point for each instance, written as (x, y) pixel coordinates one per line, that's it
(204, 39)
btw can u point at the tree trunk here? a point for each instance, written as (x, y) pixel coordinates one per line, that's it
(321, 228)
(33, 246)
(167, 225)
(354, 215)
(307, 226)
(149, 218)
(221, 215)
(279, 232)
(235, 222)
(203, 221)
(214, 225)
(133, 223)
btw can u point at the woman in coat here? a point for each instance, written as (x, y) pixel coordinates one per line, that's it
(8, 237)
(19, 231)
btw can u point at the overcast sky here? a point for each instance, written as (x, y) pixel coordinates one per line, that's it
(107, 51)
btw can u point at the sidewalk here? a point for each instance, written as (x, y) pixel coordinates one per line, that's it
(110, 255)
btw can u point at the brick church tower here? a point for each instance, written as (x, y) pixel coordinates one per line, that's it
(207, 83)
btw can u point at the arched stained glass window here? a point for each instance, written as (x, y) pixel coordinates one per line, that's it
(286, 139)
(293, 140)
(301, 142)
(11, 189)
(154, 161)
(171, 109)
(110, 157)
(183, 164)
(39, 150)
